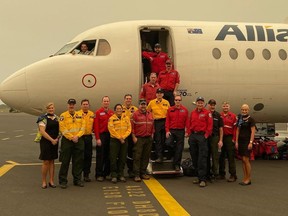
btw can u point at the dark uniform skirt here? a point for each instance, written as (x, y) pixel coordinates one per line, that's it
(243, 147)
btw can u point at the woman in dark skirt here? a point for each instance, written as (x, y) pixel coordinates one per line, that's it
(49, 129)
(244, 141)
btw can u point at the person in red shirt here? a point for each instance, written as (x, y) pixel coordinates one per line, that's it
(157, 58)
(169, 80)
(228, 148)
(201, 124)
(177, 121)
(102, 135)
(142, 134)
(148, 90)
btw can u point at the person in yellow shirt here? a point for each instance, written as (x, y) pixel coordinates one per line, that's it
(119, 126)
(129, 110)
(88, 115)
(159, 107)
(72, 127)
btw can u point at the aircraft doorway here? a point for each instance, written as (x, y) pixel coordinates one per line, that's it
(149, 37)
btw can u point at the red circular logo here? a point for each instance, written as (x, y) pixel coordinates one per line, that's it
(89, 80)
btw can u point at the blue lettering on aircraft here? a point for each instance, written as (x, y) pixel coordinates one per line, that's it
(253, 33)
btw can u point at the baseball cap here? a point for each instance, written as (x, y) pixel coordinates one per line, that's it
(200, 98)
(159, 90)
(212, 101)
(142, 101)
(157, 45)
(71, 101)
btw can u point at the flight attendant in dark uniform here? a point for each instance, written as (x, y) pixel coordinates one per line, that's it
(244, 141)
(49, 129)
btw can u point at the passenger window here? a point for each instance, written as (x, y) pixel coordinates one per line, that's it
(266, 54)
(216, 53)
(250, 54)
(282, 54)
(103, 48)
(233, 53)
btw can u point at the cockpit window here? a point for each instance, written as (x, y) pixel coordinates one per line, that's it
(85, 48)
(66, 48)
(103, 48)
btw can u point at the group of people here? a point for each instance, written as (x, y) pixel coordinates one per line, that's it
(126, 135)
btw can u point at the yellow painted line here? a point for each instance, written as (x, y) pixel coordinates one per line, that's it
(5, 168)
(6, 138)
(170, 205)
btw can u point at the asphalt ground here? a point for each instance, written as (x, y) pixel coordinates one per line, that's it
(21, 193)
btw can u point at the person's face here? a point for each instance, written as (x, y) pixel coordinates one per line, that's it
(225, 108)
(168, 65)
(85, 106)
(118, 110)
(105, 102)
(244, 110)
(200, 104)
(51, 109)
(84, 48)
(177, 100)
(212, 107)
(142, 107)
(128, 101)
(157, 49)
(71, 107)
(159, 95)
(153, 78)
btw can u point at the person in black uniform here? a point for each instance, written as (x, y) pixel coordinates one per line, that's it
(244, 141)
(215, 141)
(49, 129)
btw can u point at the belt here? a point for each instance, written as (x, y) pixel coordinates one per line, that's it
(198, 132)
(160, 119)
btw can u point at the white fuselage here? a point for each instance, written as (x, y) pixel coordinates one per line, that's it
(212, 59)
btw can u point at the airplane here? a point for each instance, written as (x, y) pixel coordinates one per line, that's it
(234, 62)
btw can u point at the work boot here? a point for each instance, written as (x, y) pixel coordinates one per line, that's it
(100, 179)
(137, 179)
(145, 177)
(114, 180)
(196, 181)
(79, 184)
(87, 179)
(122, 179)
(232, 178)
(202, 184)
(220, 177)
(159, 159)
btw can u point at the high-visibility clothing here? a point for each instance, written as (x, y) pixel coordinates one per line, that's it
(158, 108)
(72, 125)
(89, 119)
(142, 124)
(129, 111)
(119, 127)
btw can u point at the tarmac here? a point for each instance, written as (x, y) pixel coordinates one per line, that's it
(21, 192)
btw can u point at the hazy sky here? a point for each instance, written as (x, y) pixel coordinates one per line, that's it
(31, 30)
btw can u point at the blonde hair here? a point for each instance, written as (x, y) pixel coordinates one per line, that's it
(49, 104)
(245, 106)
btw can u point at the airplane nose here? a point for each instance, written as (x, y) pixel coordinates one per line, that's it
(13, 90)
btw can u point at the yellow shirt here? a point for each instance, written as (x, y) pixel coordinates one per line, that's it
(71, 126)
(89, 119)
(129, 111)
(158, 108)
(119, 128)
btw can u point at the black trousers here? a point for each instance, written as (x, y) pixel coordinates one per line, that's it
(129, 159)
(102, 156)
(199, 153)
(176, 144)
(87, 154)
(168, 95)
(159, 136)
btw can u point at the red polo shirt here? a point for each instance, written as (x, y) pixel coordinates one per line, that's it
(101, 121)
(201, 121)
(168, 79)
(177, 118)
